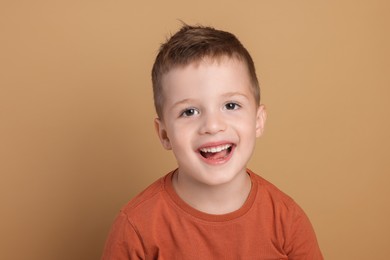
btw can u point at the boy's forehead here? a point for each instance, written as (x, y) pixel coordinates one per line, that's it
(219, 60)
(185, 80)
(203, 62)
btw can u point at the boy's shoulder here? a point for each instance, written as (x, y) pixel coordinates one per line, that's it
(268, 192)
(147, 200)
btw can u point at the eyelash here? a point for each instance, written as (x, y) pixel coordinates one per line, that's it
(186, 112)
(236, 106)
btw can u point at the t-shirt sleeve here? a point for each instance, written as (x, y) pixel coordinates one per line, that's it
(301, 242)
(123, 241)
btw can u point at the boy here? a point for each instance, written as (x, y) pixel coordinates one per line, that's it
(207, 99)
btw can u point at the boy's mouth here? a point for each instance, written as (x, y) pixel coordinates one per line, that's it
(216, 153)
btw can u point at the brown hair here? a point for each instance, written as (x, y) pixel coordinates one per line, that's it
(192, 44)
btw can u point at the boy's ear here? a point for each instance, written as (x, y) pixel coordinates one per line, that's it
(162, 133)
(260, 120)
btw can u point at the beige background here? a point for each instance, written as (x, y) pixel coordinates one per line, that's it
(76, 133)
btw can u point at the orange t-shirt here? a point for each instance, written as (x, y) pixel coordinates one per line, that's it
(157, 224)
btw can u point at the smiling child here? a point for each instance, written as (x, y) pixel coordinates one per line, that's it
(207, 100)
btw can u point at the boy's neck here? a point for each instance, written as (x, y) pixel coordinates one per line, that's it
(218, 199)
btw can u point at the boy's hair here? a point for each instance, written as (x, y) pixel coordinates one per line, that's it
(192, 44)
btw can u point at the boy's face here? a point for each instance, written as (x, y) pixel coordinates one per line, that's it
(210, 120)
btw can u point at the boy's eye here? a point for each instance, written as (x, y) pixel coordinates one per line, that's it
(232, 106)
(190, 112)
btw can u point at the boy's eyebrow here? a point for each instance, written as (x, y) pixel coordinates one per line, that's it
(231, 94)
(184, 101)
(226, 95)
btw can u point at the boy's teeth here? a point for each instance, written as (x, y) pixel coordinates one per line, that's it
(216, 149)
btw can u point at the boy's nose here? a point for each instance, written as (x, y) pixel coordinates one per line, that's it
(212, 123)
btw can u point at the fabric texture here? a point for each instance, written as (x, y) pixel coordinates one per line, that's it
(157, 224)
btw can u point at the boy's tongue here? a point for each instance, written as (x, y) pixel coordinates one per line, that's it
(215, 156)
